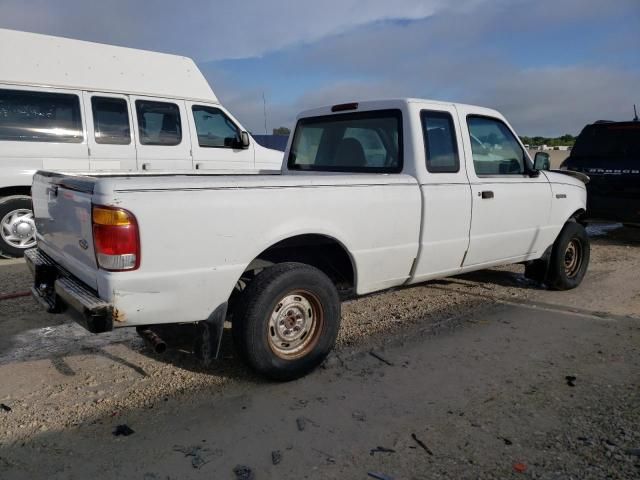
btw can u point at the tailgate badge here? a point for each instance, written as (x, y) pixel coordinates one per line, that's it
(83, 244)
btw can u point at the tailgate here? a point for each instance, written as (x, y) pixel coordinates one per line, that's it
(62, 210)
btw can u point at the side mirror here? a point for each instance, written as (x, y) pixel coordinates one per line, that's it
(244, 140)
(541, 161)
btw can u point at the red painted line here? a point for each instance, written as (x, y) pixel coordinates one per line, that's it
(9, 296)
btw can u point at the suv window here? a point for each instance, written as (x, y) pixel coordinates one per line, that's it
(40, 117)
(615, 140)
(158, 123)
(351, 142)
(214, 128)
(495, 149)
(440, 144)
(111, 120)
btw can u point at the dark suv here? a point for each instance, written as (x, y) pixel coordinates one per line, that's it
(609, 153)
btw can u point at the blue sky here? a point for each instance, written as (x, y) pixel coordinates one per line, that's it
(550, 66)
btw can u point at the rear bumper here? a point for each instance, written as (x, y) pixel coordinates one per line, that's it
(58, 291)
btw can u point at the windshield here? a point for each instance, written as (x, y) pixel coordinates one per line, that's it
(619, 140)
(352, 142)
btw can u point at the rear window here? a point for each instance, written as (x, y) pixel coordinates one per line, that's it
(40, 117)
(621, 140)
(158, 123)
(352, 142)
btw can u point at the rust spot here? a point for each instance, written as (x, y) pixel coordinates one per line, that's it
(119, 316)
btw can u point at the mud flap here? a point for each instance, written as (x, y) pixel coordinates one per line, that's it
(209, 336)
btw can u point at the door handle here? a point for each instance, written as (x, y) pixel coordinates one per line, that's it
(145, 166)
(486, 194)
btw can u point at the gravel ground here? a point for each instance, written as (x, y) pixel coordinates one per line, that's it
(65, 386)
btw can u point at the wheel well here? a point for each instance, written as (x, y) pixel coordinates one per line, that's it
(577, 216)
(8, 191)
(323, 252)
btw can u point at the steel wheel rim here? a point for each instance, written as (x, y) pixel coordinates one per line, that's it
(573, 258)
(295, 324)
(18, 228)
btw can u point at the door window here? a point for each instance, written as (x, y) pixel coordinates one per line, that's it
(440, 144)
(214, 128)
(111, 120)
(158, 123)
(495, 149)
(27, 116)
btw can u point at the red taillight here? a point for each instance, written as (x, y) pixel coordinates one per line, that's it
(115, 238)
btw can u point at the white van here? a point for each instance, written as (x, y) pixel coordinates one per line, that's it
(71, 105)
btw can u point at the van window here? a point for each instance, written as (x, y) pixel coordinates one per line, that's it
(440, 145)
(111, 120)
(27, 116)
(495, 149)
(214, 128)
(158, 123)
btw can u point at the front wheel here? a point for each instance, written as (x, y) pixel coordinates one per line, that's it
(569, 258)
(17, 226)
(287, 320)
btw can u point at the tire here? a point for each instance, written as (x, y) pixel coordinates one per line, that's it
(287, 321)
(569, 258)
(17, 227)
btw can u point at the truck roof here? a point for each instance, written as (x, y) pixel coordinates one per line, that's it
(48, 61)
(392, 103)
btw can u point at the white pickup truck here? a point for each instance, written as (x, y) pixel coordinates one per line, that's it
(371, 195)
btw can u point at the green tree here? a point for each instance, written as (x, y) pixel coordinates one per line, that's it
(281, 131)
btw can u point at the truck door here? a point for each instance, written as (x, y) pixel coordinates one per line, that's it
(215, 138)
(110, 136)
(509, 207)
(446, 196)
(162, 134)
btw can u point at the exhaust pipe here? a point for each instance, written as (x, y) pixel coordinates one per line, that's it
(152, 339)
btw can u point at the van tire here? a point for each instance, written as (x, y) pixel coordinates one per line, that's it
(287, 321)
(14, 219)
(569, 258)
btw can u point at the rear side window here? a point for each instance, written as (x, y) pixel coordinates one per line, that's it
(111, 120)
(158, 123)
(214, 128)
(352, 142)
(440, 144)
(40, 117)
(495, 149)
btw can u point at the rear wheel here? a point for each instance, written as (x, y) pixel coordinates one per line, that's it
(17, 226)
(569, 257)
(287, 320)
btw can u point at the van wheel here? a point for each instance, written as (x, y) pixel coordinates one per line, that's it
(17, 226)
(569, 257)
(287, 320)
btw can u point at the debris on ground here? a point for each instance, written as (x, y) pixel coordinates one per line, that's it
(301, 422)
(242, 472)
(519, 467)
(123, 430)
(506, 440)
(633, 451)
(379, 476)
(4, 407)
(421, 443)
(197, 453)
(571, 380)
(276, 457)
(379, 449)
(376, 355)
(359, 416)
(327, 456)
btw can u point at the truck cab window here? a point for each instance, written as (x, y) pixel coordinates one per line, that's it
(352, 142)
(495, 149)
(214, 128)
(28, 116)
(158, 123)
(440, 144)
(111, 120)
